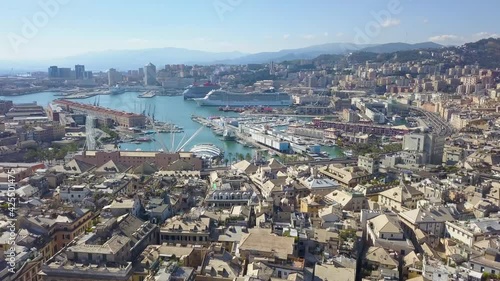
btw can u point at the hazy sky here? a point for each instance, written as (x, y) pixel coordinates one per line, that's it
(29, 31)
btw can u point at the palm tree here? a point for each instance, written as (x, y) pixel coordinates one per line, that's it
(230, 156)
(240, 156)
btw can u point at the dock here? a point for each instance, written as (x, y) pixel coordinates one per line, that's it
(240, 138)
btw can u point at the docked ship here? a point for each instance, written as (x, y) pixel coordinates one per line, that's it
(228, 135)
(116, 90)
(225, 98)
(199, 91)
(207, 151)
(148, 94)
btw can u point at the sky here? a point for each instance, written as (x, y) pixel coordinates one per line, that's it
(45, 29)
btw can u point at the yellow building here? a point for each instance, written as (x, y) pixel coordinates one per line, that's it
(311, 205)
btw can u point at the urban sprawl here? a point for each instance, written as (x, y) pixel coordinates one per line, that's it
(415, 196)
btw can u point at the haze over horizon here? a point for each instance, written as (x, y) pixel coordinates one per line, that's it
(73, 27)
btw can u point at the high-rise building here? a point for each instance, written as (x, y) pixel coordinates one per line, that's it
(141, 72)
(79, 71)
(150, 75)
(65, 73)
(114, 77)
(53, 72)
(271, 68)
(88, 75)
(431, 146)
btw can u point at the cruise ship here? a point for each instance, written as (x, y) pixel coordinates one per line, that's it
(199, 91)
(225, 98)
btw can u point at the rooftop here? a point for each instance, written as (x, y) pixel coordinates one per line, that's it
(281, 247)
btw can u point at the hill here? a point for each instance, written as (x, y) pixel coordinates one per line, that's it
(395, 47)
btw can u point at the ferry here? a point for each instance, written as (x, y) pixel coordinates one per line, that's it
(230, 99)
(199, 91)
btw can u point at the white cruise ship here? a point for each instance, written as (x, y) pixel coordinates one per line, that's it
(226, 98)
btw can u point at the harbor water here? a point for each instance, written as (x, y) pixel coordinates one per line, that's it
(172, 109)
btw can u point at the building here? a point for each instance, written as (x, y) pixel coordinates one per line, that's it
(61, 225)
(487, 263)
(272, 142)
(311, 205)
(470, 232)
(185, 231)
(104, 115)
(24, 110)
(106, 253)
(347, 201)
(368, 162)
(430, 145)
(150, 75)
(400, 198)
(65, 73)
(385, 231)
(346, 176)
(278, 251)
(350, 116)
(431, 220)
(76, 193)
(136, 158)
(228, 198)
(53, 72)
(79, 72)
(121, 206)
(114, 77)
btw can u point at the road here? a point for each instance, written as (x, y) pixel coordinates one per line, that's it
(439, 126)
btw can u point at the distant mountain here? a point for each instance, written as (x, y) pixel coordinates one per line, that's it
(396, 47)
(133, 59)
(300, 53)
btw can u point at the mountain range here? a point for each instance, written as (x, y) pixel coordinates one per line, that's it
(133, 59)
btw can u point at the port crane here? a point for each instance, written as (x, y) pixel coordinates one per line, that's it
(173, 147)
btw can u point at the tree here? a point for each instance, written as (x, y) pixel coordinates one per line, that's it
(240, 156)
(248, 157)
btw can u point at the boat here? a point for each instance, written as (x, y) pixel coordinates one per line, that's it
(144, 140)
(207, 151)
(348, 153)
(230, 99)
(229, 135)
(148, 94)
(231, 109)
(116, 90)
(199, 91)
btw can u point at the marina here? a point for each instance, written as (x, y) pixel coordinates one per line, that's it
(175, 110)
(265, 133)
